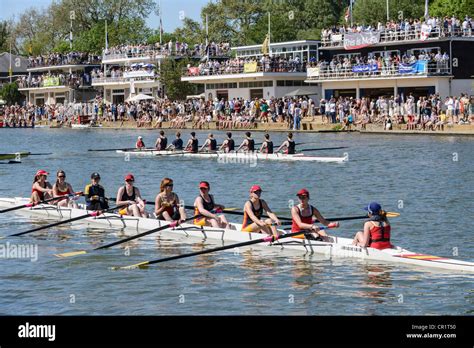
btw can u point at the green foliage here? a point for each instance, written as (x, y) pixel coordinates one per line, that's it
(374, 11)
(170, 77)
(10, 94)
(458, 8)
(4, 36)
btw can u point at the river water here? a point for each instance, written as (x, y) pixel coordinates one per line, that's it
(427, 179)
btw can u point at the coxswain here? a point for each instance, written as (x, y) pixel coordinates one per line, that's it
(211, 144)
(162, 142)
(62, 188)
(95, 194)
(140, 145)
(288, 145)
(204, 204)
(228, 145)
(177, 143)
(267, 145)
(41, 189)
(130, 195)
(302, 216)
(193, 144)
(248, 145)
(167, 206)
(253, 214)
(377, 229)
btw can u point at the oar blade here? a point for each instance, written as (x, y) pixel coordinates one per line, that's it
(141, 265)
(392, 214)
(71, 254)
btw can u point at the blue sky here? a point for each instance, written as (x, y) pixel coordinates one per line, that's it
(171, 10)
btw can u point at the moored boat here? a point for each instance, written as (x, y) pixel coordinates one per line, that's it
(335, 247)
(15, 156)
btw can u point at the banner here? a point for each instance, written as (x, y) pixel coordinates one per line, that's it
(336, 37)
(353, 41)
(313, 72)
(250, 67)
(51, 81)
(193, 71)
(138, 73)
(425, 31)
(365, 68)
(418, 67)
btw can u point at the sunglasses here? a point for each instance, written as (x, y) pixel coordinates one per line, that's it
(257, 192)
(302, 196)
(129, 180)
(169, 185)
(61, 176)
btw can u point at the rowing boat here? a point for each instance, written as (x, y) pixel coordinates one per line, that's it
(335, 247)
(16, 156)
(250, 156)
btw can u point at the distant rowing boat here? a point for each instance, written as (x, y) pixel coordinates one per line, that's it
(84, 126)
(15, 156)
(236, 155)
(335, 247)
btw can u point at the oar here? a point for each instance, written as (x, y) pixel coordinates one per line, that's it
(91, 214)
(40, 154)
(29, 205)
(270, 239)
(121, 241)
(122, 149)
(324, 149)
(344, 218)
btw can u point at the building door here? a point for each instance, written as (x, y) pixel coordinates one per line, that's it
(118, 98)
(256, 93)
(222, 95)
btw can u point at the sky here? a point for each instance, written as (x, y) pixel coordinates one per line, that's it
(171, 11)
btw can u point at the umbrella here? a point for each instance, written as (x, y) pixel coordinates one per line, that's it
(300, 91)
(139, 97)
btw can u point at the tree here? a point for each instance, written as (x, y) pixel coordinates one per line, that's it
(374, 11)
(458, 8)
(170, 78)
(10, 94)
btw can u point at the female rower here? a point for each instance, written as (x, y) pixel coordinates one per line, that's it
(253, 213)
(140, 145)
(302, 218)
(62, 188)
(167, 205)
(204, 205)
(248, 145)
(376, 232)
(289, 145)
(41, 189)
(211, 144)
(228, 145)
(129, 194)
(267, 145)
(193, 144)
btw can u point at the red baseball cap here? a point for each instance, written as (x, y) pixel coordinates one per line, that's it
(255, 188)
(129, 177)
(303, 192)
(204, 184)
(42, 172)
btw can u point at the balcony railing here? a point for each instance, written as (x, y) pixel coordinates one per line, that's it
(46, 62)
(419, 68)
(121, 79)
(155, 54)
(55, 82)
(245, 68)
(390, 35)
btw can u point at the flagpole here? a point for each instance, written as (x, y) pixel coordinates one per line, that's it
(352, 23)
(161, 26)
(269, 35)
(10, 72)
(207, 36)
(388, 14)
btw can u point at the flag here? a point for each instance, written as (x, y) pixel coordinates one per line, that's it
(266, 46)
(426, 10)
(347, 15)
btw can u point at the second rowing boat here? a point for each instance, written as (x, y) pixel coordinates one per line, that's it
(236, 155)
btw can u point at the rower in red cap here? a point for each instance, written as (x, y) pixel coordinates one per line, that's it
(204, 205)
(129, 194)
(41, 188)
(253, 214)
(302, 218)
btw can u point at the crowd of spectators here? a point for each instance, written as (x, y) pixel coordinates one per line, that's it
(405, 29)
(71, 58)
(343, 65)
(171, 48)
(71, 80)
(237, 66)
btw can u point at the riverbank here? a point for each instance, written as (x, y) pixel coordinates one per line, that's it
(306, 127)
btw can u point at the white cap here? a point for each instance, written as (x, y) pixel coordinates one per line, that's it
(140, 137)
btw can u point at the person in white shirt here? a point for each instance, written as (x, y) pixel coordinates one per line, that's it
(449, 103)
